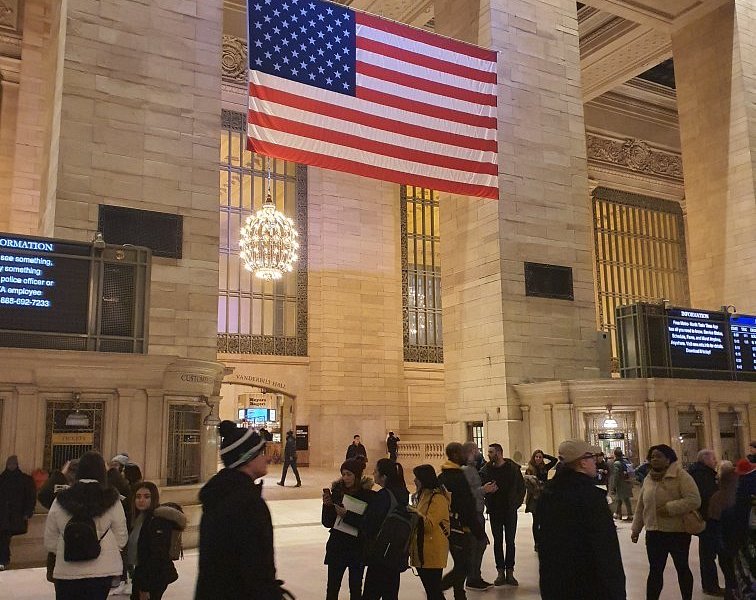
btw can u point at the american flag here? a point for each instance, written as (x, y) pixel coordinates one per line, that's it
(349, 91)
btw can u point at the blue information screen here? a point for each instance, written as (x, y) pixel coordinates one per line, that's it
(44, 285)
(743, 331)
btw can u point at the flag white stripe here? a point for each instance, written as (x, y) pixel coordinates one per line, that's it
(369, 133)
(414, 70)
(396, 114)
(402, 91)
(317, 146)
(425, 49)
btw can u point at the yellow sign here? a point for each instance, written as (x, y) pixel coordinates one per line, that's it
(73, 439)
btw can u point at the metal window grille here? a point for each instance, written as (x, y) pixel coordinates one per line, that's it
(63, 443)
(255, 316)
(475, 434)
(640, 254)
(421, 275)
(184, 444)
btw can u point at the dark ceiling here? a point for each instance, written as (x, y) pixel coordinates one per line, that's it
(663, 74)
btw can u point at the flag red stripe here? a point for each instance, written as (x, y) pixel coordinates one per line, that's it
(424, 37)
(355, 116)
(425, 61)
(373, 146)
(419, 83)
(358, 168)
(425, 109)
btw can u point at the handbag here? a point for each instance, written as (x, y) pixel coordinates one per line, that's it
(693, 522)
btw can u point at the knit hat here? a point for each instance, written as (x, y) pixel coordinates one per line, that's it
(572, 450)
(353, 466)
(121, 458)
(239, 445)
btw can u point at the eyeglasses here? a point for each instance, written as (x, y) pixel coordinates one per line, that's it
(593, 456)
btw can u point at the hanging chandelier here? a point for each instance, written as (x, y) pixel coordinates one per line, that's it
(609, 422)
(268, 241)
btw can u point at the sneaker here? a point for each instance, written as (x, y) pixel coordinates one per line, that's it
(127, 589)
(279, 483)
(299, 484)
(2, 567)
(500, 578)
(479, 585)
(510, 578)
(119, 590)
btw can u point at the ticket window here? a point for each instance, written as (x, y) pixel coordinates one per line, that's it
(691, 436)
(730, 427)
(624, 436)
(67, 438)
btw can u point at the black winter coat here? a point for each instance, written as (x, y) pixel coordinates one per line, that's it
(463, 505)
(155, 569)
(355, 451)
(17, 500)
(511, 492)
(341, 547)
(290, 450)
(236, 541)
(706, 482)
(578, 550)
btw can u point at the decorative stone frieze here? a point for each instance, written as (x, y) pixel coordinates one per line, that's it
(234, 59)
(9, 14)
(634, 155)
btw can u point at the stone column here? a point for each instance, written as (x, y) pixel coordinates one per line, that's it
(562, 416)
(8, 110)
(210, 439)
(496, 336)
(715, 429)
(155, 468)
(658, 421)
(716, 103)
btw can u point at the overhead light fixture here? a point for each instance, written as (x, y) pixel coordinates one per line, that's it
(77, 418)
(268, 241)
(610, 422)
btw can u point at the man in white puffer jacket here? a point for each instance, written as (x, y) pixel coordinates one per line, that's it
(89, 496)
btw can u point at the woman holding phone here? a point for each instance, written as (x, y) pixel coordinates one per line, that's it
(344, 547)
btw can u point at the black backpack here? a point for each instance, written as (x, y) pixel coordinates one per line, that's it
(80, 541)
(390, 548)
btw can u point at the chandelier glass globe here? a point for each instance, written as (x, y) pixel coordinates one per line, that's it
(268, 242)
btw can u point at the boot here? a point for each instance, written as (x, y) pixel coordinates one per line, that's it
(509, 578)
(501, 577)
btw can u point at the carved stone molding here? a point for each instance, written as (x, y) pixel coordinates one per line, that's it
(9, 14)
(234, 59)
(634, 155)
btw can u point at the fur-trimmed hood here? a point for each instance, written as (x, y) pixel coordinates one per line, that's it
(175, 516)
(366, 483)
(88, 497)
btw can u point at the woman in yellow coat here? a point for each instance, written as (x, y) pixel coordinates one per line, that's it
(429, 547)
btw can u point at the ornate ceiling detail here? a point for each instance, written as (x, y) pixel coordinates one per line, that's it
(634, 155)
(9, 14)
(234, 59)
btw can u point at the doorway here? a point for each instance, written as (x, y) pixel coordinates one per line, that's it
(624, 436)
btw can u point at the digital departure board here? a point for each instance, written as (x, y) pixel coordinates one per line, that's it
(697, 339)
(743, 332)
(44, 285)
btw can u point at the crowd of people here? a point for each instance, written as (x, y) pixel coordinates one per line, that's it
(107, 532)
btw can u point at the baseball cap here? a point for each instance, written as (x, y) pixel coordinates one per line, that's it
(571, 450)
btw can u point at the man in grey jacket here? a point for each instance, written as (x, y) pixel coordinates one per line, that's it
(471, 453)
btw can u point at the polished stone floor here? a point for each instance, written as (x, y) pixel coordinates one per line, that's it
(300, 540)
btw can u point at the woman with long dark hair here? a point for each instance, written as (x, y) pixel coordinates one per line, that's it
(668, 493)
(89, 498)
(382, 582)
(429, 547)
(536, 476)
(148, 550)
(344, 546)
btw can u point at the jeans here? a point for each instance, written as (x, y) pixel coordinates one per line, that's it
(504, 528)
(477, 550)
(293, 464)
(660, 544)
(93, 588)
(460, 545)
(431, 579)
(336, 574)
(381, 583)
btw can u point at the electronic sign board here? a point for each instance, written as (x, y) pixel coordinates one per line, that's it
(698, 339)
(44, 285)
(743, 332)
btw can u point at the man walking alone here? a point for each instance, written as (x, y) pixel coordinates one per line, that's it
(502, 507)
(290, 459)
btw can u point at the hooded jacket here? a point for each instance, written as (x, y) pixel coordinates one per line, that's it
(155, 569)
(433, 537)
(343, 548)
(676, 491)
(463, 506)
(578, 550)
(236, 559)
(87, 497)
